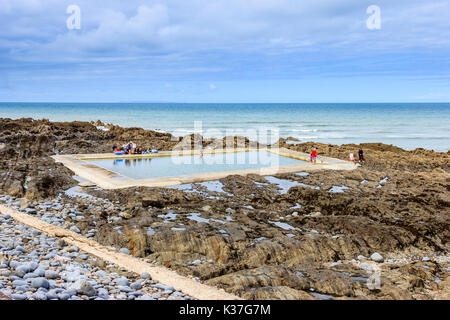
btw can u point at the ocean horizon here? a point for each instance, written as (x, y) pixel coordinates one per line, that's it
(406, 125)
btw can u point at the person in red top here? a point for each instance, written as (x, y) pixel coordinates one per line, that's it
(314, 155)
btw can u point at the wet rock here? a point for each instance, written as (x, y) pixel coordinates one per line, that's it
(266, 276)
(276, 293)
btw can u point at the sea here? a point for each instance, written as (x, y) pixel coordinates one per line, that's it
(406, 125)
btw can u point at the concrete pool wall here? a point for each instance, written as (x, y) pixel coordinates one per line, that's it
(107, 179)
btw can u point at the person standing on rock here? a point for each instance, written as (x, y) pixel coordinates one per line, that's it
(361, 156)
(314, 156)
(200, 146)
(351, 157)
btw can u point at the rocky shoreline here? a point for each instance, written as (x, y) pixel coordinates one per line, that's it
(310, 235)
(34, 266)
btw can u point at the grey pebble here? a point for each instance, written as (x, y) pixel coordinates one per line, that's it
(50, 274)
(63, 296)
(39, 296)
(145, 275)
(136, 286)
(16, 296)
(103, 293)
(124, 288)
(125, 251)
(101, 274)
(84, 287)
(75, 229)
(377, 257)
(40, 283)
(122, 282)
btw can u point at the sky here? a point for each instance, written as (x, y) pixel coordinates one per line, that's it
(224, 51)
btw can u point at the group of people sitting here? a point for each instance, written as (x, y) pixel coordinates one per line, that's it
(131, 148)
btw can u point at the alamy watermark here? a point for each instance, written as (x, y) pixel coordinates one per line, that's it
(74, 21)
(374, 280)
(228, 150)
(374, 20)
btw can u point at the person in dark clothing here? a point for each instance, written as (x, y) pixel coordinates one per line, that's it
(361, 155)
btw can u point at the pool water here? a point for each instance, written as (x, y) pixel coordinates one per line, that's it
(174, 166)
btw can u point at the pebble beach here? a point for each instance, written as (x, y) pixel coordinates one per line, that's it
(34, 266)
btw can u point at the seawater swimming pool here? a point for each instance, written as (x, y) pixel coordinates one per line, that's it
(179, 166)
(170, 168)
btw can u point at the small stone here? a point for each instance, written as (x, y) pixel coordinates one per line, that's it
(9, 245)
(101, 274)
(207, 208)
(84, 287)
(63, 296)
(136, 286)
(146, 276)
(361, 257)
(22, 269)
(163, 287)
(61, 243)
(365, 265)
(16, 296)
(230, 211)
(23, 288)
(32, 275)
(39, 296)
(377, 257)
(19, 283)
(14, 264)
(335, 264)
(52, 295)
(40, 272)
(21, 249)
(103, 293)
(75, 229)
(50, 274)
(122, 282)
(83, 256)
(24, 203)
(156, 296)
(124, 288)
(136, 293)
(40, 283)
(125, 251)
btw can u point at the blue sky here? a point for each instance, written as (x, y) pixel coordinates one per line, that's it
(225, 51)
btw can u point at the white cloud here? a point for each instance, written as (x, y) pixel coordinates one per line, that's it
(139, 27)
